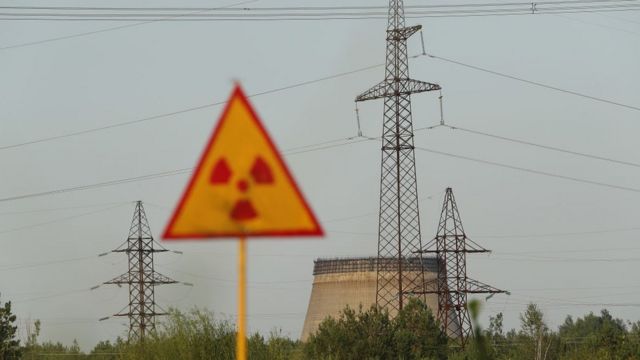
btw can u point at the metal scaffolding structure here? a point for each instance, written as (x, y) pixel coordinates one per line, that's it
(399, 223)
(451, 246)
(141, 277)
(368, 264)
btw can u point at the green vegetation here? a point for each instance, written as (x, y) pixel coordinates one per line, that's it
(9, 345)
(372, 334)
(591, 337)
(193, 335)
(355, 334)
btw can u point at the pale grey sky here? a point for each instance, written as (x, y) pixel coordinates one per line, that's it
(111, 77)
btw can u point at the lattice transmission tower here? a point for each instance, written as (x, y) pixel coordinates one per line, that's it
(452, 285)
(399, 223)
(141, 277)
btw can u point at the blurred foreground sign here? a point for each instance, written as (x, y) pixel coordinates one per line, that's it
(241, 186)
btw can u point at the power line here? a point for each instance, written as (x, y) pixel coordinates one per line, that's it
(536, 83)
(546, 147)
(531, 171)
(598, 24)
(303, 13)
(72, 36)
(573, 302)
(187, 110)
(100, 184)
(348, 141)
(561, 234)
(57, 220)
(572, 288)
(322, 8)
(270, 19)
(45, 263)
(494, 257)
(565, 260)
(296, 85)
(621, 19)
(143, 178)
(59, 294)
(335, 17)
(305, 281)
(524, 236)
(351, 141)
(21, 212)
(534, 7)
(599, 250)
(88, 33)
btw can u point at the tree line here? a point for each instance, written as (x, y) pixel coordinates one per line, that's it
(354, 335)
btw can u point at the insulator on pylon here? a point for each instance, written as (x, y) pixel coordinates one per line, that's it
(441, 110)
(358, 120)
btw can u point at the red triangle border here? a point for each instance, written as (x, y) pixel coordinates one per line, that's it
(239, 94)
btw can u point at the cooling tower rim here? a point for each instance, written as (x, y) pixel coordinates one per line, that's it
(338, 265)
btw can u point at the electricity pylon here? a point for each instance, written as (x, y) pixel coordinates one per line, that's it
(141, 277)
(451, 246)
(399, 223)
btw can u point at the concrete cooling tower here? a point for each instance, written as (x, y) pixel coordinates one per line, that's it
(352, 281)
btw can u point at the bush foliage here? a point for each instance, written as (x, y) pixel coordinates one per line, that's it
(372, 334)
(357, 334)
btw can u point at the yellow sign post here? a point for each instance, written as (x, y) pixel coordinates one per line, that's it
(241, 337)
(241, 187)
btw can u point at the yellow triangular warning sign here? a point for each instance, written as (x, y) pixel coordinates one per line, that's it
(241, 187)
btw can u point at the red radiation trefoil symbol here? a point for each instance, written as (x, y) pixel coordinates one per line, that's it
(260, 173)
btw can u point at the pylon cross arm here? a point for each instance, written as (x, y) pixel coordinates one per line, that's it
(397, 87)
(402, 33)
(143, 250)
(122, 279)
(477, 287)
(159, 279)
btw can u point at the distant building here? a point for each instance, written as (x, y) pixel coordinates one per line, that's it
(352, 281)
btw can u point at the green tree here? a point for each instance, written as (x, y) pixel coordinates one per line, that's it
(416, 333)
(495, 326)
(105, 350)
(353, 335)
(598, 337)
(372, 334)
(9, 345)
(534, 329)
(495, 336)
(280, 347)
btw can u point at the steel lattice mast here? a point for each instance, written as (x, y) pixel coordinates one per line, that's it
(451, 246)
(399, 223)
(141, 277)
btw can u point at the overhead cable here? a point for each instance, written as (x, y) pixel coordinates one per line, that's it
(186, 110)
(546, 147)
(296, 85)
(323, 8)
(93, 32)
(150, 176)
(531, 171)
(43, 13)
(57, 220)
(535, 83)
